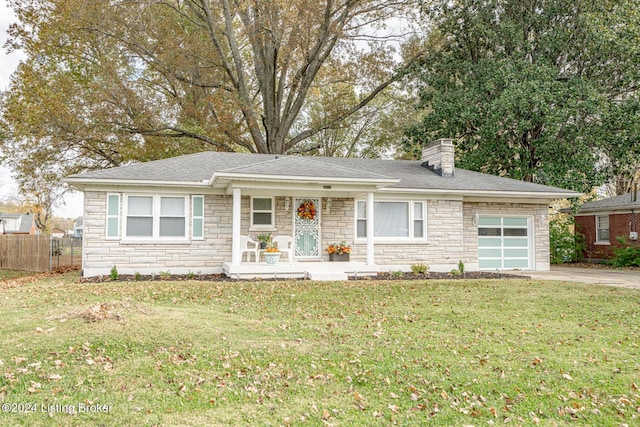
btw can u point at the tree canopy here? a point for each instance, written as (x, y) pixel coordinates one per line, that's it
(537, 90)
(106, 82)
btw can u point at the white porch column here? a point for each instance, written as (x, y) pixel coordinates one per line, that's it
(370, 247)
(235, 229)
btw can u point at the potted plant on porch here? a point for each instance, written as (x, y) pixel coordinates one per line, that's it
(339, 251)
(272, 254)
(264, 239)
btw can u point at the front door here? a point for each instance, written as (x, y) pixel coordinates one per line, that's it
(306, 228)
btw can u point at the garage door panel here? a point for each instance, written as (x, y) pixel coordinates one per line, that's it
(515, 232)
(509, 221)
(516, 253)
(490, 253)
(490, 232)
(489, 220)
(490, 243)
(516, 243)
(516, 263)
(492, 264)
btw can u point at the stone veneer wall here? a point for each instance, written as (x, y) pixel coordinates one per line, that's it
(451, 236)
(337, 225)
(442, 247)
(206, 256)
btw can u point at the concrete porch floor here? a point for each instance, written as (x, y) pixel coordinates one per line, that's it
(314, 270)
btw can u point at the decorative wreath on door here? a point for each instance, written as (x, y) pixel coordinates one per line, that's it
(307, 210)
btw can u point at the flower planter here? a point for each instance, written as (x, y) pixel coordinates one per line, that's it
(339, 257)
(272, 257)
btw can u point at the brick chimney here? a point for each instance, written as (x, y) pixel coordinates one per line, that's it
(439, 157)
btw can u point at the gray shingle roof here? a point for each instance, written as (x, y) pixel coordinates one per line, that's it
(623, 202)
(409, 174)
(24, 222)
(305, 167)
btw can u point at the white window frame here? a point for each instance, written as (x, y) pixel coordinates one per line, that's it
(184, 216)
(155, 215)
(115, 216)
(412, 219)
(125, 215)
(599, 240)
(271, 211)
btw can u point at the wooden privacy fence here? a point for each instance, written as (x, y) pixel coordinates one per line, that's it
(25, 252)
(38, 253)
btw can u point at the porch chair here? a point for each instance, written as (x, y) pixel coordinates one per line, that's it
(250, 246)
(285, 245)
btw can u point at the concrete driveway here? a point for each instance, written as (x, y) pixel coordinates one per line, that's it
(627, 279)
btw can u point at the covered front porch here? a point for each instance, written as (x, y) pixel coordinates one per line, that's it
(320, 270)
(263, 202)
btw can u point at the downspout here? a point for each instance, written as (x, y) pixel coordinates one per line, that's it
(634, 197)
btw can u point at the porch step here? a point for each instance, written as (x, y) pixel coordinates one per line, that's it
(328, 276)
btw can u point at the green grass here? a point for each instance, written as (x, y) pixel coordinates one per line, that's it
(457, 352)
(12, 274)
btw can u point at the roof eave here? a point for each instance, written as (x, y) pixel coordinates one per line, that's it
(608, 209)
(81, 183)
(488, 193)
(224, 178)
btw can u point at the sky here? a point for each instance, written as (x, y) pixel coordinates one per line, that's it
(72, 206)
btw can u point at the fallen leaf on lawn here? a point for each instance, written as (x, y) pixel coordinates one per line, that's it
(567, 377)
(54, 377)
(35, 387)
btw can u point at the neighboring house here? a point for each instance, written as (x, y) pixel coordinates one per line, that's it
(604, 221)
(58, 232)
(78, 226)
(190, 213)
(16, 223)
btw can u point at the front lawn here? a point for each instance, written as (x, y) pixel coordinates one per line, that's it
(482, 352)
(12, 274)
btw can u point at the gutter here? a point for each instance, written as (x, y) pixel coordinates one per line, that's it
(83, 182)
(485, 193)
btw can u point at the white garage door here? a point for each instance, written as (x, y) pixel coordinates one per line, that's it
(504, 243)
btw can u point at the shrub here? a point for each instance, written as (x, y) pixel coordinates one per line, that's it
(566, 244)
(419, 268)
(114, 273)
(461, 267)
(627, 254)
